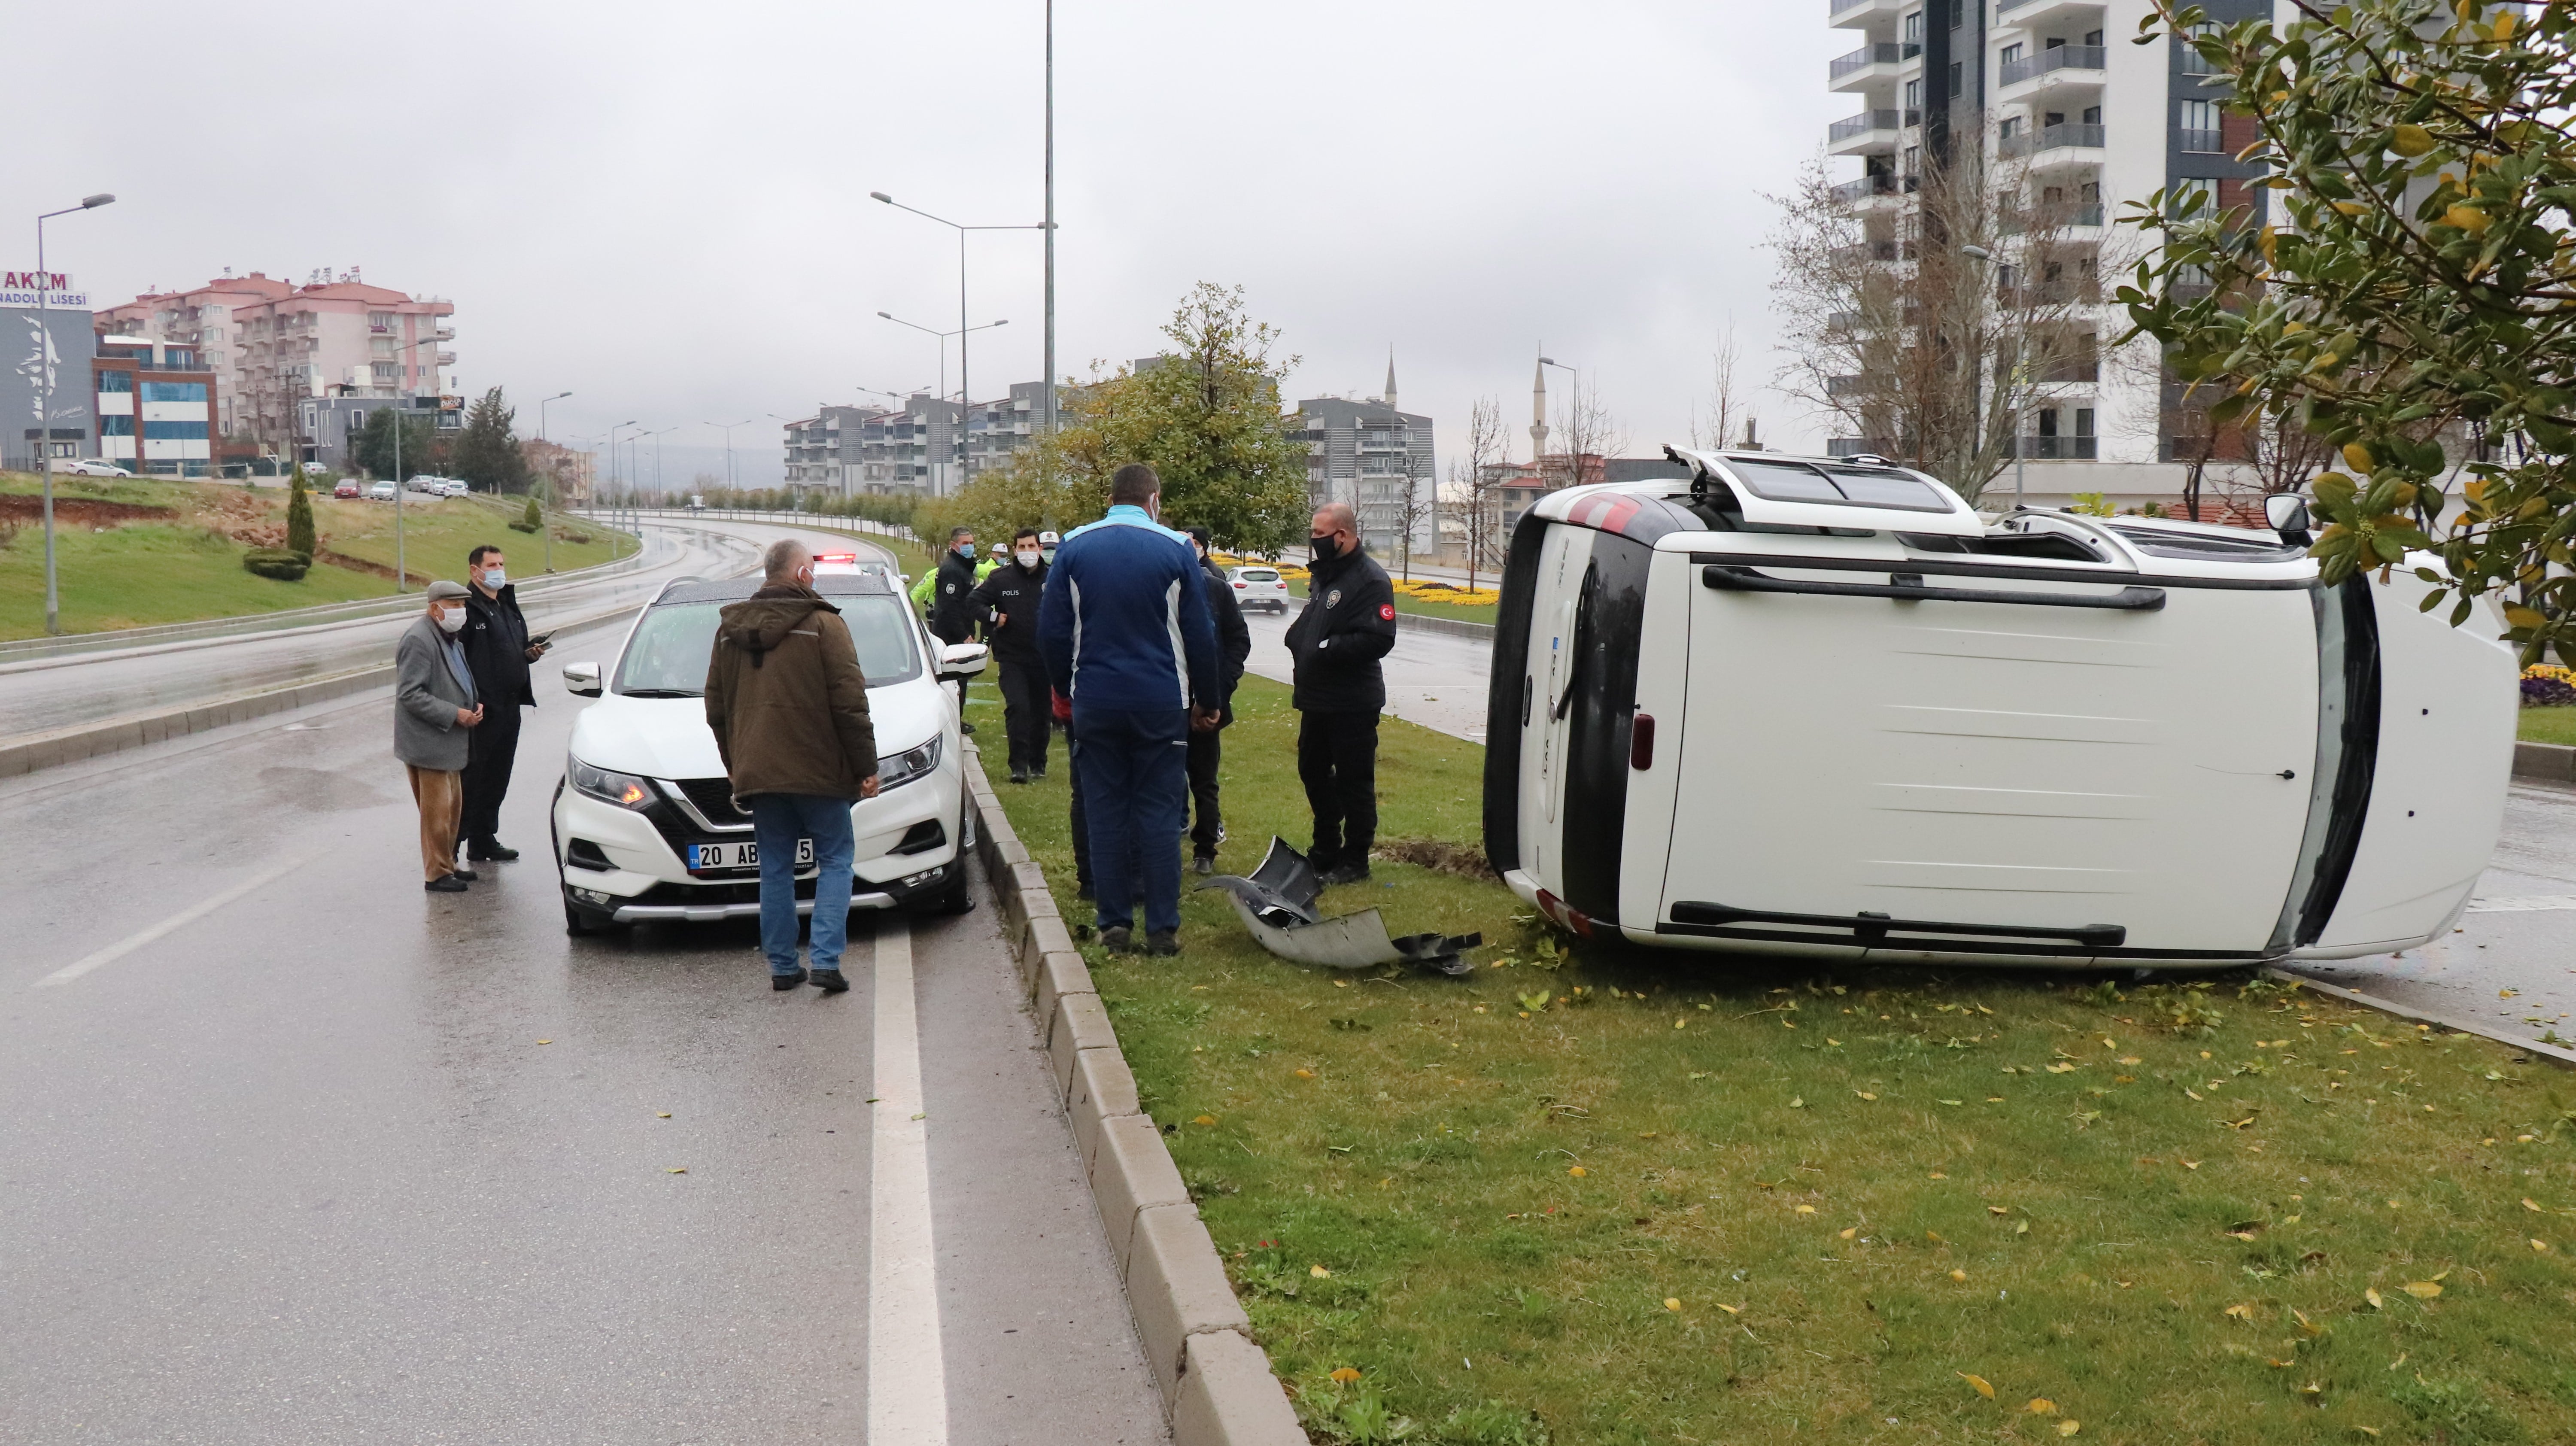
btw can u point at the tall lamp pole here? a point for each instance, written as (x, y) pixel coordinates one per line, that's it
(613, 474)
(1049, 520)
(727, 429)
(943, 373)
(545, 528)
(965, 391)
(2021, 419)
(45, 361)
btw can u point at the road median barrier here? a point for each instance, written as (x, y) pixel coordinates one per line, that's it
(2549, 762)
(1217, 1385)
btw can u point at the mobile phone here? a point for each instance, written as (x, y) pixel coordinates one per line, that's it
(540, 640)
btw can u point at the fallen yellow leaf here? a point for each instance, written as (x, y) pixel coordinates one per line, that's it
(2530, 1204)
(1983, 1389)
(2191, 1164)
(2423, 1289)
(2241, 1312)
(545, 1041)
(678, 1170)
(2061, 1068)
(2373, 1297)
(1850, 1231)
(1672, 1303)
(1204, 1120)
(1937, 1175)
(1864, 1094)
(1730, 1309)
(1577, 1171)
(2541, 1245)
(2131, 1059)
(1346, 1375)
(1959, 1275)
(2069, 1428)
(1797, 1102)
(2191, 1092)
(1997, 1210)
(1806, 1209)
(1678, 1023)
(662, 1114)
(2041, 1406)
(1319, 1272)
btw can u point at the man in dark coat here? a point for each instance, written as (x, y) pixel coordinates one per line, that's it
(1347, 626)
(1007, 601)
(952, 602)
(497, 649)
(1233, 646)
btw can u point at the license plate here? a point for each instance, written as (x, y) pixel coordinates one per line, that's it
(742, 855)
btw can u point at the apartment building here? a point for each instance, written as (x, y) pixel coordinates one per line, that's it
(2052, 94)
(913, 447)
(273, 344)
(1370, 453)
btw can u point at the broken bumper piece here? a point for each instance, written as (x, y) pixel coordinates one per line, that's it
(1277, 903)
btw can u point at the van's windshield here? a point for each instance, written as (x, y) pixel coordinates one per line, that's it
(668, 657)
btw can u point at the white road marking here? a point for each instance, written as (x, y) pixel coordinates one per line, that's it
(175, 922)
(907, 1373)
(2528, 904)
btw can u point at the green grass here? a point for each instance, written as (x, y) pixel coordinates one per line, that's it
(1520, 1205)
(141, 574)
(2548, 725)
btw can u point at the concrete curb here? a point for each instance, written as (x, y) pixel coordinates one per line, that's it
(2556, 1053)
(116, 735)
(1455, 627)
(2555, 762)
(1218, 1388)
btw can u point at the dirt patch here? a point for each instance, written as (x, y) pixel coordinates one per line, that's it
(360, 564)
(81, 511)
(1463, 860)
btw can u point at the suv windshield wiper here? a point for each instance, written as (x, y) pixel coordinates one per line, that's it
(661, 693)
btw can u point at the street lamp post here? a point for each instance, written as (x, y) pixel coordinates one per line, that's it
(545, 528)
(2021, 417)
(45, 362)
(965, 391)
(727, 429)
(613, 475)
(943, 371)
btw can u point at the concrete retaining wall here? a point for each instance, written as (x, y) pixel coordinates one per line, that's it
(1218, 1389)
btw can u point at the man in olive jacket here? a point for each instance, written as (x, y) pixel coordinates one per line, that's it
(789, 708)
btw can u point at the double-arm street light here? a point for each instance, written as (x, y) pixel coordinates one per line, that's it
(965, 391)
(45, 362)
(727, 429)
(962, 393)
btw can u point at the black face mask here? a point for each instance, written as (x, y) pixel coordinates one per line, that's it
(1325, 548)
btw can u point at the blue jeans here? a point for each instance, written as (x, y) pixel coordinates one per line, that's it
(778, 820)
(1134, 768)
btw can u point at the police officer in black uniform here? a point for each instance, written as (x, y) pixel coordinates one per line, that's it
(952, 602)
(1347, 626)
(1007, 601)
(1207, 752)
(497, 652)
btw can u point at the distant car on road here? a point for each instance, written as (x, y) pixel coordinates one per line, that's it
(697, 504)
(316, 469)
(381, 492)
(645, 825)
(347, 487)
(82, 467)
(1259, 587)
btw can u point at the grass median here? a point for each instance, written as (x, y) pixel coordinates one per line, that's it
(1597, 1194)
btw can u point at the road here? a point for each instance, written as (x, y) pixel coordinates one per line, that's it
(291, 1151)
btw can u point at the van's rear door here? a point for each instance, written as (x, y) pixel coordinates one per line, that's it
(2134, 777)
(1547, 699)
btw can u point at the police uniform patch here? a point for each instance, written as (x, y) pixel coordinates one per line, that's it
(1333, 599)
(1386, 612)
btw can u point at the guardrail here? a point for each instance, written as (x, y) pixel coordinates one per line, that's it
(782, 518)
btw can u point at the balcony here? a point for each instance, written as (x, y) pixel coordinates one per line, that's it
(1867, 251)
(1860, 14)
(2199, 142)
(2075, 15)
(2084, 215)
(1868, 187)
(1871, 130)
(1870, 63)
(2065, 135)
(2058, 449)
(2087, 60)
(2074, 371)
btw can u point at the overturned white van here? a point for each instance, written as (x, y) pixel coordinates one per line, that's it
(1821, 706)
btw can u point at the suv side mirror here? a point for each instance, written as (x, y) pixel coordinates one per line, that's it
(581, 679)
(962, 660)
(2287, 512)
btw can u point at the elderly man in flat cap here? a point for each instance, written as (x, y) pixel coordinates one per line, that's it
(435, 711)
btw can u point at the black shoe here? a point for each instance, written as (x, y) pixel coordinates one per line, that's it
(1118, 939)
(1038, 772)
(1203, 864)
(490, 850)
(785, 982)
(1348, 873)
(468, 875)
(1165, 942)
(1019, 775)
(445, 884)
(830, 981)
(967, 728)
(1083, 892)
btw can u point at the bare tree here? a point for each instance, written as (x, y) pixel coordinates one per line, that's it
(1927, 315)
(1477, 473)
(1590, 436)
(1726, 404)
(1419, 503)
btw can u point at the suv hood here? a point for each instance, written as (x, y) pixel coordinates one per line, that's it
(669, 738)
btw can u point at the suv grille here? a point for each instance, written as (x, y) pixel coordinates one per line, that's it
(714, 798)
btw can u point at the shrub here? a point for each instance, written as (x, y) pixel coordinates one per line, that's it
(277, 562)
(299, 521)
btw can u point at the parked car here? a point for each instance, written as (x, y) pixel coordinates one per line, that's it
(1259, 587)
(645, 826)
(315, 469)
(346, 487)
(1821, 706)
(89, 467)
(381, 492)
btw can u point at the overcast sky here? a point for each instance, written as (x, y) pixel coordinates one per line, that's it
(664, 209)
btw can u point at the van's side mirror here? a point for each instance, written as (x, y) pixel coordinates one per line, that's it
(2287, 512)
(962, 660)
(581, 679)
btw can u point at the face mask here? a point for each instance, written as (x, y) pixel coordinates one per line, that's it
(966, 549)
(451, 620)
(1028, 559)
(1326, 547)
(495, 578)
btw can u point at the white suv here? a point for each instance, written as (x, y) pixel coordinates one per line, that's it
(645, 827)
(1258, 587)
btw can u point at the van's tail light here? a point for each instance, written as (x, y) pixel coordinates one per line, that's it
(1641, 742)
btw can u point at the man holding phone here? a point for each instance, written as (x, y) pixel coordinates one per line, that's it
(499, 650)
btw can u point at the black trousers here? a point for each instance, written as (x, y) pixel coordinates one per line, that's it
(1337, 761)
(1028, 715)
(1081, 826)
(490, 750)
(1207, 750)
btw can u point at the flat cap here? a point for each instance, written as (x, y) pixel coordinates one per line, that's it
(442, 589)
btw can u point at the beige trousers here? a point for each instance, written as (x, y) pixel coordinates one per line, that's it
(441, 796)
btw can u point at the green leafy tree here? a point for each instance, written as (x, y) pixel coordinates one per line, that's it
(299, 520)
(1207, 416)
(487, 452)
(421, 447)
(2418, 285)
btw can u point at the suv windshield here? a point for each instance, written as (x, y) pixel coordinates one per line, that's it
(668, 657)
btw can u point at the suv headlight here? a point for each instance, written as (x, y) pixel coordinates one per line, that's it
(902, 768)
(623, 789)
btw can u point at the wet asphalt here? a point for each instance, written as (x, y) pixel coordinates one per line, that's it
(337, 1160)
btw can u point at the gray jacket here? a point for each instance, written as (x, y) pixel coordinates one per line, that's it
(426, 697)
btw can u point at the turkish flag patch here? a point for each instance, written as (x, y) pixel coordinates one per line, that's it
(1386, 612)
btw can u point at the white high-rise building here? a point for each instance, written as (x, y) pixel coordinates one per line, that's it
(2088, 121)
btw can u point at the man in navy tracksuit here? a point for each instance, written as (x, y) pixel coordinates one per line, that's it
(1125, 631)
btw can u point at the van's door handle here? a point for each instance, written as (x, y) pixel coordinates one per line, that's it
(1909, 587)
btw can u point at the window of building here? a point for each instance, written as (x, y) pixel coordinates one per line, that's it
(2084, 421)
(174, 391)
(2193, 194)
(1958, 76)
(2011, 54)
(116, 426)
(1913, 95)
(1914, 28)
(117, 382)
(174, 431)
